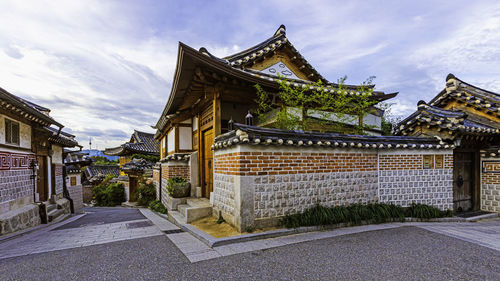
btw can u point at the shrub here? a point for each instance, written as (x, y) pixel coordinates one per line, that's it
(109, 194)
(178, 187)
(422, 211)
(157, 206)
(357, 213)
(146, 192)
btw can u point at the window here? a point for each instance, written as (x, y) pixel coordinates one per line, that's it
(73, 181)
(11, 132)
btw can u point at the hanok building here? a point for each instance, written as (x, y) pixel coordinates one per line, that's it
(470, 117)
(140, 143)
(253, 175)
(31, 164)
(74, 161)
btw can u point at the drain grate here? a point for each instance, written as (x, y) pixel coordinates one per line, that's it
(139, 224)
(173, 231)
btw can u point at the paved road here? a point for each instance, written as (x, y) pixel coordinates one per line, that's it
(398, 253)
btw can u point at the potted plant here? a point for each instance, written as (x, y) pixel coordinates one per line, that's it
(178, 187)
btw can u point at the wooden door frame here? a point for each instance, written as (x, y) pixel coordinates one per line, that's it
(43, 171)
(202, 162)
(475, 173)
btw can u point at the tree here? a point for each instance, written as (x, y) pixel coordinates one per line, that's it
(309, 107)
(101, 160)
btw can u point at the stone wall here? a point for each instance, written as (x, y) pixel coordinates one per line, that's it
(16, 186)
(490, 185)
(87, 193)
(76, 194)
(19, 219)
(403, 181)
(256, 185)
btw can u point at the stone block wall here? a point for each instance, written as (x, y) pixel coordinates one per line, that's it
(16, 186)
(76, 194)
(403, 181)
(19, 219)
(490, 185)
(256, 185)
(87, 193)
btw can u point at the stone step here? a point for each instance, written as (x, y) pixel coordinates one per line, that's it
(181, 208)
(176, 218)
(198, 202)
(196, 213)
(54, 214)
(51, 207)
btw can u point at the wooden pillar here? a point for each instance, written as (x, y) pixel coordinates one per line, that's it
(217, 112)
(176, 137)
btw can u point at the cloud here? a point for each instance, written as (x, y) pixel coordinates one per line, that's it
(105, 67)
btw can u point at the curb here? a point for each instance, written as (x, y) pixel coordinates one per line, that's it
(485, 216)
(214, 242)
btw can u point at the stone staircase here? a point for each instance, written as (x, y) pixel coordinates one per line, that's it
(54, 211)
(193, 209)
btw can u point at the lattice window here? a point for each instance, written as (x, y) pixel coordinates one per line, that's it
(11, 132)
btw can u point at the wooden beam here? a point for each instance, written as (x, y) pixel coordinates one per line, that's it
(217, 112)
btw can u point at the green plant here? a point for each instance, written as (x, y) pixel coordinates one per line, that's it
(426, 212)
(316, 106)
(101, 160)
(174, 184)
(249, 229)
(149, 158)
(358, 213)
(109, 194)
(157, 206)
(146, 192)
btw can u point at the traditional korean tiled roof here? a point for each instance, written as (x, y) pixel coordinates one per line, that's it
(73, 169)
(76, 158)
(432, 115)
(60, 137)
(237, 66)
(252, 135)
(468, 94)
(99, 172)
(177, 157)
(492, 151)
(27, 109)
(137, 166)
(140, 142)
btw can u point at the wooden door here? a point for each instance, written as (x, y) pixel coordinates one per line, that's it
(42, 185)
(463, 181)
(207, 162)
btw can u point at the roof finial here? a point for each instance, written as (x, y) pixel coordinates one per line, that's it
(450, 76)
(281, 30)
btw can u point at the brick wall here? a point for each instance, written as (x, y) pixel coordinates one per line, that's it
(287, 180)
(490, 185)
(76, 193)
(284, 163)
(175, 170)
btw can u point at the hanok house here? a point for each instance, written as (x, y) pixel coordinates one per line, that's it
(253, 175)
(31, 164)
(74, 161)
(470, 117)
(140, 143)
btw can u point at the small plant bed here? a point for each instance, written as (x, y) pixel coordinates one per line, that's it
(108, 194)
(210, 226)
(157, 206)
(358, 214)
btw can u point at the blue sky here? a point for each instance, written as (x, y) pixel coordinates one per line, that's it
(105, 67)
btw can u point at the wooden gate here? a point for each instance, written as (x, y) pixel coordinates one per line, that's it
(42, 184)
(463, 181)
(207, 162)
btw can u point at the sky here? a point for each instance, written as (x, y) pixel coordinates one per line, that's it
(105, 68)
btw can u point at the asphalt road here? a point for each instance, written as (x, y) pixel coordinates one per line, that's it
(405, 253)
(104, 215)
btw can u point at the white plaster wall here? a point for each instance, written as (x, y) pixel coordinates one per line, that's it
(57, 156)
(187, 121)
(185, 138)
(195, 123)
(171, 140)
(24, 135)
(372, 120)
(24, 132)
